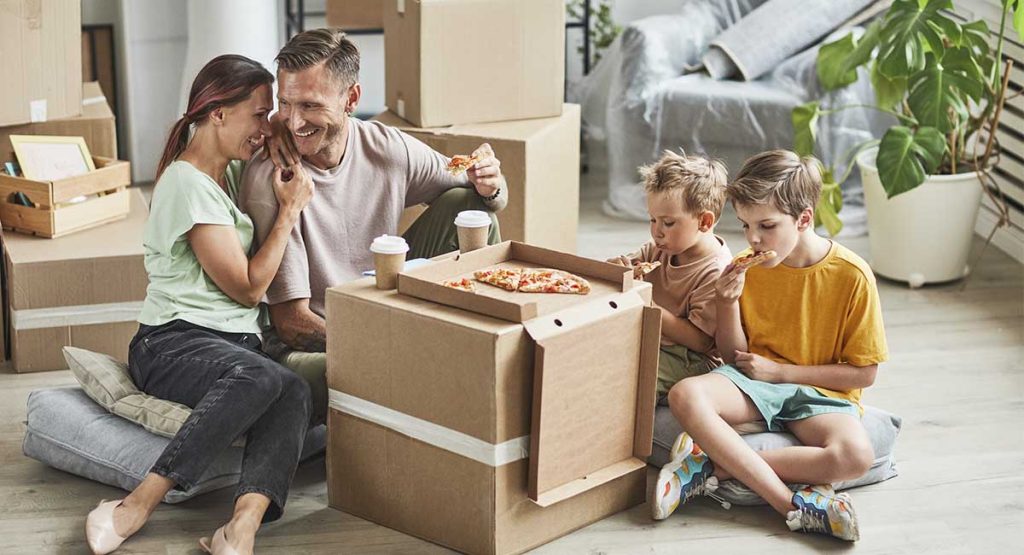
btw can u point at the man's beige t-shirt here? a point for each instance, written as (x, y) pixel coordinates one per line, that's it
(688, 290)
(382, 172)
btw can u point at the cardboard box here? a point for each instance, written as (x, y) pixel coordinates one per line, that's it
(540, 159)
(467, 61)
(96, 125)
(490, 422)
(41, 46)
(84, 290)
(56, 211)
(356, 14)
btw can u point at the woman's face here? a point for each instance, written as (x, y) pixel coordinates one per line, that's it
(245, 125)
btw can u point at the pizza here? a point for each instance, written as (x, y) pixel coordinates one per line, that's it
(641, 269)
(506, 278)
(460, 163)
(753, 259)
(460, 283)
(552, 281)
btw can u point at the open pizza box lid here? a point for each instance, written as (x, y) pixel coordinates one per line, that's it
(595, 362)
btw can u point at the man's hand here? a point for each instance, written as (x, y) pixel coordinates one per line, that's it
(758, 367)
(485, 175)
(280, 145)
(729, 285)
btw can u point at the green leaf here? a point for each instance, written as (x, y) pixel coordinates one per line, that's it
(909, 30)
(906, 158)
(832, 70)
(1018, 20)
(866, 44)
(888, 92)
(937, 95)
(805, 127)
(826, 213)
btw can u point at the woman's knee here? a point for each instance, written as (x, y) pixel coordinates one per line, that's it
(295, 389)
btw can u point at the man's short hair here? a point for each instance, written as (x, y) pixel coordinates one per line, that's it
(782, 178)
(329, 46)
(700, 181)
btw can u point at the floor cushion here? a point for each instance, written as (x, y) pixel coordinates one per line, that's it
(882, 427)
(70, 432)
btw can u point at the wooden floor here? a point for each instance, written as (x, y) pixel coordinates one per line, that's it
(956, 377)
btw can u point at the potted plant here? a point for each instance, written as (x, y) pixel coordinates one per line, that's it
(944, 85)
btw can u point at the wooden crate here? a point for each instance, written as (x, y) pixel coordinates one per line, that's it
(53, 215)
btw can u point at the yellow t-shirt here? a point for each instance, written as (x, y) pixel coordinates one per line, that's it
(828, 313)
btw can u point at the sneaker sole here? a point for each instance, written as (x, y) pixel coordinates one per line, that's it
(854, 528)
(681, 447)
(664, 476)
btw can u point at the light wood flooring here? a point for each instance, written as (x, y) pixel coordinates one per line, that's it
(956, 376)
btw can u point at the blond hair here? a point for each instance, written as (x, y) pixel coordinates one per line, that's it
(789, 182)
(328, 46)
(700, 181)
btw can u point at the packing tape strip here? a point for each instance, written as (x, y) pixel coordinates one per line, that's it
(80, 315)
(432, 434)
(93, 100)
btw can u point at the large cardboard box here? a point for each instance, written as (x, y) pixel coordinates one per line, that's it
(96, 124)
(467, 61)
(490, 422)
(84, 290)
(41, 49)
(540, 159)
(356, 15)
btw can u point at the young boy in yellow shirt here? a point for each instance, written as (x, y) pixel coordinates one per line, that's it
(685, 195)
(803, 335)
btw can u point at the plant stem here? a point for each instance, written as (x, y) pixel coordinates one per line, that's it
(952, 151)
(1000, 100)
(901, 117)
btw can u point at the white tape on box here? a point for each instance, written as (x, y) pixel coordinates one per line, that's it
(37, 111)
(432, 434)
(80, 315)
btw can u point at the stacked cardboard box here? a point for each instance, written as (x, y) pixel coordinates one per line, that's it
(84, 290)
(490, 422)
(41, 42)
(356, 14)
(96, 124)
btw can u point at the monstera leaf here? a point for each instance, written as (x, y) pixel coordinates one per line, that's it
(805, 123)
(911, 29)
(905, 158)
(938, 95)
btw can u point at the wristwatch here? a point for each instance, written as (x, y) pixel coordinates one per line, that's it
(493, 197)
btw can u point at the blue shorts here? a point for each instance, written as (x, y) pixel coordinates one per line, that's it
(785, 402)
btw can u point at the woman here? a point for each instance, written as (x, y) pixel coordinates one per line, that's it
(198, 341)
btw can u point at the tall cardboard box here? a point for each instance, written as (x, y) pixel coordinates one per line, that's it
(490, 422)
(466, 61)
(96, 124)
(540, 159)
(41, 49)
(84, 290)
(356, 14)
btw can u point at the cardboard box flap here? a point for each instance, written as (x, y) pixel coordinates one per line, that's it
(94, 102)
(425, 282)
(608, 383)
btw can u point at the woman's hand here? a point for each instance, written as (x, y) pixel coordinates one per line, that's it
(293, 194)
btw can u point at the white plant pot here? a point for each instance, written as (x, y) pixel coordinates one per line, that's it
(923, 235)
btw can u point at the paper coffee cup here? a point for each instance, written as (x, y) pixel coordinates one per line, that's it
(388, 259)
(473, 227)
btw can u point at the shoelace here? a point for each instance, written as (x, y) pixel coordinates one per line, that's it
(707, 487)
(807, 521)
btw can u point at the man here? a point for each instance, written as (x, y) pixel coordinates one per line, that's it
(365, 174)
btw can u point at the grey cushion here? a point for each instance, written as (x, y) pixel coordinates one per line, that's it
(70, 432)
(882, 427)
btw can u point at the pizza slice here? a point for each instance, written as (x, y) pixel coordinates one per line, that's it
(641, 269)
(753, 259)
(506, 278)
(460, 283)
(552, 281)
(460, 163)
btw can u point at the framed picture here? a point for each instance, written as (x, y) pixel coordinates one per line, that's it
(48, 158)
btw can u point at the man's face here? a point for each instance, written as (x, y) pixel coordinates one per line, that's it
(312, 103)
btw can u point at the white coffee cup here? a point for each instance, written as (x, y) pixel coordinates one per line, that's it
(388, 259)
(473, 227)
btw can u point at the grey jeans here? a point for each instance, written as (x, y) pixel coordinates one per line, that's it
(234, 390)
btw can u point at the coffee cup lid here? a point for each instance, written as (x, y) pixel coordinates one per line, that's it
(473, 218)
(389, 244)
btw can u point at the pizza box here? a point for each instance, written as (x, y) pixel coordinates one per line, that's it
(468, 419)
